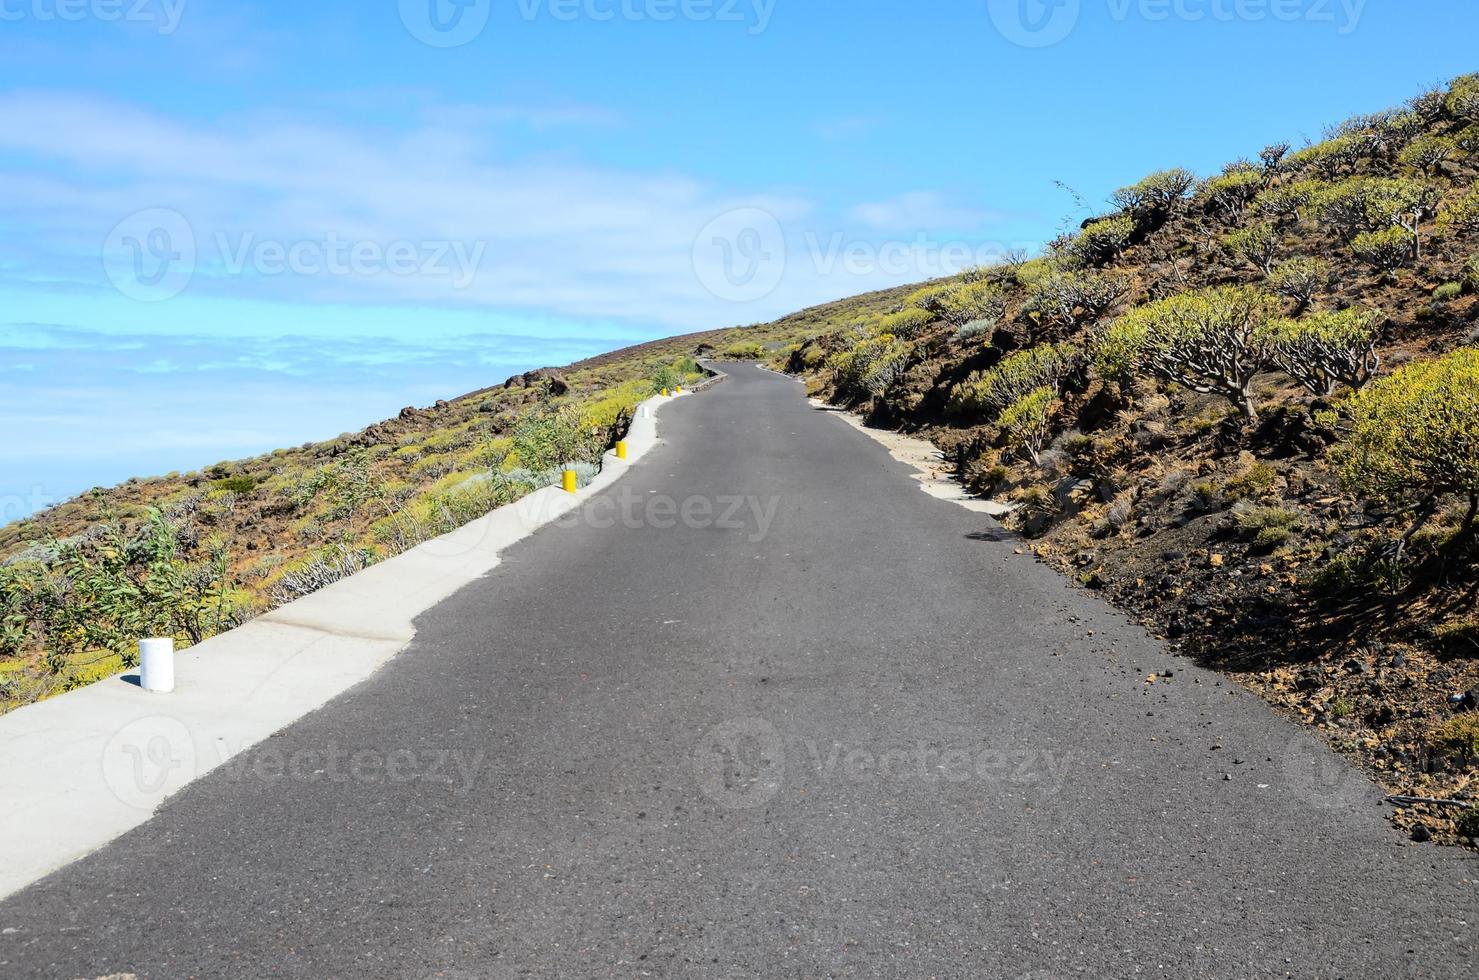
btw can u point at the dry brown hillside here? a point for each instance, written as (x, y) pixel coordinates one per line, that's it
(1167, 399)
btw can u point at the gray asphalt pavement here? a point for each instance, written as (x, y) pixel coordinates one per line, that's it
(767, 710)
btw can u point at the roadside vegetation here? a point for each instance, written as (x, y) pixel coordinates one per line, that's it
(1246, 408)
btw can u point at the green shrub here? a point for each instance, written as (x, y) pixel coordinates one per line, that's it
(1323, 349)
(742, 351)
(972, 302)
(235, 484)
(906, 324)
(1028, 421)
(1268, 528)
(1213, 341)
(1413, 437)
(1067, 300)
(975, 329)
(1155, 192)
(1291, 200)
(1462, 215)
(1018, 375)
(548, 437)
(1460, 637)
(1258, 245)
(1329, 159)
(1388, 249)
(1300, 279)
(1101, 240)
(1428, 152)
(1463, 98)
(1448, 291)
(1458, 737)
(1254, 482)
(1471, 273)
(870, 367)
(1230, 192)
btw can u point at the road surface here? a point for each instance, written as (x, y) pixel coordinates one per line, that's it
(767, 710)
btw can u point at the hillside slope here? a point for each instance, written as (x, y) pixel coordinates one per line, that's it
(193, 554)
(1168, 400)
(1242, 407)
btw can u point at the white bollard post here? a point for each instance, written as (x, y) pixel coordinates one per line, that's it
(645, 412)
(157, 664)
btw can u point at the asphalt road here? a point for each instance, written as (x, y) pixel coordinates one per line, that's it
(837, 728)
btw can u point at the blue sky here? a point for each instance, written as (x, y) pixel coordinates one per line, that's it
(230, 226)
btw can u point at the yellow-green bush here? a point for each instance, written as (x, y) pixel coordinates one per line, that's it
(1300, 279)
(1101, 240)
(1325, 349)
(1388, 249)
(1413, 437)
(1462, 216)
(994, 391)
(1028, 421)
(906, 323)
(1258, 245)
(1213, 341)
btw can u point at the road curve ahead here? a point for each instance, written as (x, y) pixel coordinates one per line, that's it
(767, 710)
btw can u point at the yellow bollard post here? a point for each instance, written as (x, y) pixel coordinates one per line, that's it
(621, 449)
(665, 392)
(678, 390)
(570, 481)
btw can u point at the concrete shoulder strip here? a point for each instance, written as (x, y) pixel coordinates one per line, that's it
(85, 767)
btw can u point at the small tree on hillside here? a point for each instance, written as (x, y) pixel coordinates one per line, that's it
(1017, 376)
(1029, 421)
(1286, 201)
(1328, 160)
(1257, 245)
(1324, 350)
(1215, 341)
(980, 300)
(1155, 193)
(1386, 250)
(1068, 300)
(1230, 192)
(1300, 279)
(1412, 438)
(1462, 215)
(1429, 152)
(1463, 98)
(1402, 203)
(907, 323)
(1102, 240)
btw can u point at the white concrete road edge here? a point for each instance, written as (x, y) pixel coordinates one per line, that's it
(85, 767)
